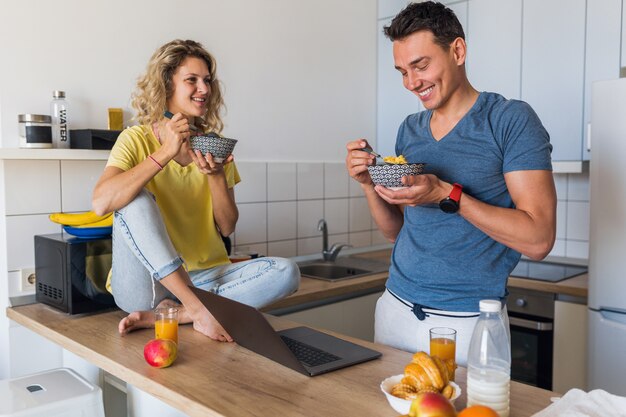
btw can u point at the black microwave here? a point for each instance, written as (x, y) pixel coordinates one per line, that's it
(71, 272)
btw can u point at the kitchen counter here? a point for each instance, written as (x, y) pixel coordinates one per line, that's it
(223, 379)
(315, 290)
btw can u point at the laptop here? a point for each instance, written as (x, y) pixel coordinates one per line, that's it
(302, 349)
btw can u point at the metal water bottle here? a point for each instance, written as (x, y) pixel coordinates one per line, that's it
(60, 126)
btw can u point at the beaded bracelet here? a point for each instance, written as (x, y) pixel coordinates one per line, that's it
(156, 162)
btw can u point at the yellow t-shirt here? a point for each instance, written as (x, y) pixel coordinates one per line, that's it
(183, 196)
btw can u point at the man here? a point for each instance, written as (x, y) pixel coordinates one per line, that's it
(487, 195)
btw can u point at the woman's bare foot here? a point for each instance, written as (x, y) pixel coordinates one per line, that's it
(145, 319)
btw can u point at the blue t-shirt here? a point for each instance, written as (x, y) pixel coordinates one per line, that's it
(440, 260)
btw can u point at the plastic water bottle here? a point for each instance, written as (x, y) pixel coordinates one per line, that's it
(60, 126)
(489, 360)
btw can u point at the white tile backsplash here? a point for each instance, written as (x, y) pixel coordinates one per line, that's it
(572, 223)
(282, 221)
(32, 186)
(252, 224)
(78, 179)
(577, 249)
(361, 239)
(309, 245)
(561, 219)
(336, 215)
(355, 189)
(578, 220)
(310, 181)
(360, 218)
(283, 248)
(560, 182)
(281, 181)
(253, 185)
(578, 187)
(20, 238)
(309, 214)
(336, 180)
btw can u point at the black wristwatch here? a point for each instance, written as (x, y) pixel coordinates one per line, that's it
(450, 204)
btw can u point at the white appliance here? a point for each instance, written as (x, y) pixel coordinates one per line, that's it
(607, 249)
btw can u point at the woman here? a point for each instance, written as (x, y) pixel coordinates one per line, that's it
(172, 205)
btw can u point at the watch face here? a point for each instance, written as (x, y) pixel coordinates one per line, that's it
(448, 205)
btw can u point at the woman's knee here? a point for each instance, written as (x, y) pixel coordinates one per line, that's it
(143, 203)
(133, 302)
(290, 273)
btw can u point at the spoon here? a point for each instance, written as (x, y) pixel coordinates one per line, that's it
(371, 152)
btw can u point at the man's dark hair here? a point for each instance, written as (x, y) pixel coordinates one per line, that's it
(429, 15)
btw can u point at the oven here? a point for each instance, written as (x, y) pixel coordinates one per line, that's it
(531, 319)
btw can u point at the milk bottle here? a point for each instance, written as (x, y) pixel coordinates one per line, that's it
(489, 360)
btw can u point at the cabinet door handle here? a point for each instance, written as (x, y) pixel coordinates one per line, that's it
(588, 137)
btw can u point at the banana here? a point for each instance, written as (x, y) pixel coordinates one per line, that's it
(78, 219)
(106, 222)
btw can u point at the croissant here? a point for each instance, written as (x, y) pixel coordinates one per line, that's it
(426, 373)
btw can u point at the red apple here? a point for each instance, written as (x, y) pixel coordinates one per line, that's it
(431, 404)
(160, 353)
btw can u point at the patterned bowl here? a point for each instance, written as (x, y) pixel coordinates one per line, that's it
(390, 175)
(217, 146)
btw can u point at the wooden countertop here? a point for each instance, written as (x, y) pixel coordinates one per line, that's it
(223, 379)
(314, 290)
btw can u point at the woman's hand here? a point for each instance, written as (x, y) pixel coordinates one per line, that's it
(357, 161)
(206, 164)
(173, 133)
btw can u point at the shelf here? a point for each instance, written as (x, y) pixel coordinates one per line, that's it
(56, 154)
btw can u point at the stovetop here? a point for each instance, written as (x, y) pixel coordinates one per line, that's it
(546, 271)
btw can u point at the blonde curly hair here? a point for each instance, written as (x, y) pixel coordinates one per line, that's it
(155, 86)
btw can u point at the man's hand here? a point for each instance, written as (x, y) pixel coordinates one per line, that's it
(357, 161)
(421, 189)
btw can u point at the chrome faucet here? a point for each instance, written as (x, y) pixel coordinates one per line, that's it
(329, 254)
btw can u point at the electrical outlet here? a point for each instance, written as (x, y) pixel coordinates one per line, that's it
(27, 279)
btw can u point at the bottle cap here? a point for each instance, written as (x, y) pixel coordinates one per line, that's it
(490, 306)
(58, 94)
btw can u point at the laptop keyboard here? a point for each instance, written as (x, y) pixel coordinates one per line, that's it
(308, 354)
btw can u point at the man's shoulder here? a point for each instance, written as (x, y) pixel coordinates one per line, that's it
(497, 103)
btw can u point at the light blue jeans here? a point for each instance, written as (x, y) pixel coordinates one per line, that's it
(143, 254)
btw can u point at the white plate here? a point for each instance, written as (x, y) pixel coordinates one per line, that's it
(403, 406)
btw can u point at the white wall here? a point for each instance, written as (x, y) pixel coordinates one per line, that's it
(299, 76)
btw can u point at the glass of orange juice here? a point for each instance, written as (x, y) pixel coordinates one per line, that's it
(443, 342)
(166, 324)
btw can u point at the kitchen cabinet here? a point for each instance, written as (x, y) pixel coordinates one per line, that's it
(389, 8)
(494, 62)
(570, 346)
(353, 317)
(553, 58)
(602, 57)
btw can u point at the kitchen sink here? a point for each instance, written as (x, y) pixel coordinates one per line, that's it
(343, 268)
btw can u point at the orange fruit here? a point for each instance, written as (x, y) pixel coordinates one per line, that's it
(478, 411)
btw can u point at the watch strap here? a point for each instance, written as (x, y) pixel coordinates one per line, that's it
(455, 194)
